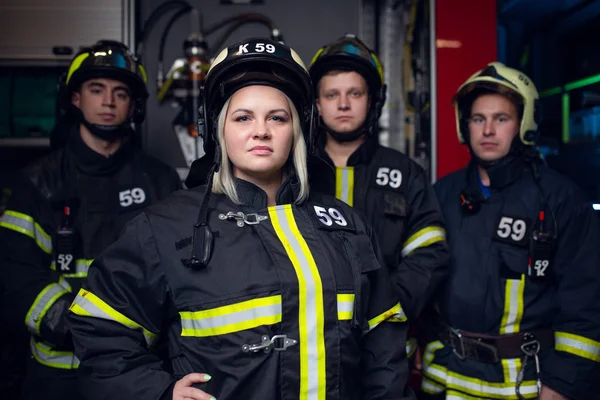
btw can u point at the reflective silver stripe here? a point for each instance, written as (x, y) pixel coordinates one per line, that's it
(431, 387)
(469, 385)
(513, 306)
(345, 306)
(232, 318)
(88, 304)
(45, 355)
(411, 346)
(578, 345)
(423, 238)
(345, 184)
(26, 225)
(41, 304)
(311, 310)
(486, 389)
(511, 368)
(82, 267)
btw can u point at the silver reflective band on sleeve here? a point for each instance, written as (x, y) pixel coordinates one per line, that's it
(44, 300)
(345, 306)
(26, 225)
(231, 318)
(87, 304)
(423, 238)
(577, 345)
(45, 355)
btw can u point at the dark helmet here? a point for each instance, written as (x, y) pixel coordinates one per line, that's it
(256, 61)
(349, 53)
(108, 59)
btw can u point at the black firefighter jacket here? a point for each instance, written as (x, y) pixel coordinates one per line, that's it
(305, 275)
(41, 270)
(395, 195)
(492, 290)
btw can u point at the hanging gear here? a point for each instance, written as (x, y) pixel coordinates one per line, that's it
(255, 61)
(112, 60)
(497, 77)
(349, 53)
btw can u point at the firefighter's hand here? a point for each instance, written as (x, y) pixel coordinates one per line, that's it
(183, 389)
(418, 361)
(550, 394)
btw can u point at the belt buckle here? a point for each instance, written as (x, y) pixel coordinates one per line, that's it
(455, 334)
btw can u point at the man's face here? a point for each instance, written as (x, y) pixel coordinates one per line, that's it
(104, 101)
(343, 100)
(493, 124)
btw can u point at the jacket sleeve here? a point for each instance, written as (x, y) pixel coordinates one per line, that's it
(574, 363)
(39, 300)
(116, 319)
(424, 257)
(384, 362)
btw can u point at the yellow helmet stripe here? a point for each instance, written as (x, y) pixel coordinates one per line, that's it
(76, 64)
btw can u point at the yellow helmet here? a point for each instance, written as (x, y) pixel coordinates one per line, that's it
(500, 78)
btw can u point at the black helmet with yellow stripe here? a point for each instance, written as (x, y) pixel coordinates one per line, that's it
(256, 61)
(349, 53)
(112, 60)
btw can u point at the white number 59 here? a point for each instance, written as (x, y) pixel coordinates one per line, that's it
(128, 197)
(328, 217)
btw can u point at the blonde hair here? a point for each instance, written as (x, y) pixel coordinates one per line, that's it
(223, 180)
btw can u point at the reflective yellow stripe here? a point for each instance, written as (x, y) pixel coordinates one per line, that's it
(411, 346)
(51, 358)
(394, 314)
(511, 368)
(82, 267)
(472, 386)
(44, 300)
(87, 304)
(232, 318)
(423, 238)
(431, 387)
(454, 395)
(345, 306)
(26, 225)
(311, 309)
(344, 184)
(513, 306)
(578, 345)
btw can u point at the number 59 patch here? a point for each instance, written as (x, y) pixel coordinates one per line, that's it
(513, 230)
(331, 218)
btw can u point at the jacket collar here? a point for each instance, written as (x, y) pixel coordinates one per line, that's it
(91, 163)
(501, 175)
(362, 155)
(254, 197)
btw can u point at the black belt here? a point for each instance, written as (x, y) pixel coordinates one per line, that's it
(491, 349)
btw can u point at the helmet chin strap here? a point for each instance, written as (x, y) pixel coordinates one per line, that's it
(517, 149)
(109, 133)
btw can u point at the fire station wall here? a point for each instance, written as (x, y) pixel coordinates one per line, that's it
(306, 25)
(466, 42)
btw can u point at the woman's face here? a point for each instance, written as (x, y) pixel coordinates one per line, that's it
(258, 132)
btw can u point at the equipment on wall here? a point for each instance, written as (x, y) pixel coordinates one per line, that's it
(183, 82)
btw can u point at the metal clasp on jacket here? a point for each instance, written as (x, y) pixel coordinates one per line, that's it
(277, 343)
(241, 218)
